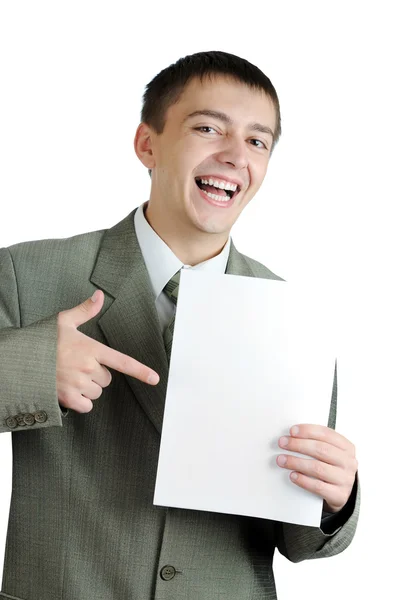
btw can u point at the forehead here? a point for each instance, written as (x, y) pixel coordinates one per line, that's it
(223, 94)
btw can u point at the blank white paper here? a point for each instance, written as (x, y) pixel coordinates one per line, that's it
(251, 358)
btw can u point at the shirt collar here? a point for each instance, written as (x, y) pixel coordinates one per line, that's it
(161, 262)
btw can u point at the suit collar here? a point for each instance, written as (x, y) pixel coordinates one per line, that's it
(237, 263)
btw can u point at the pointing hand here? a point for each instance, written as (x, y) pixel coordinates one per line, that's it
(82, 361)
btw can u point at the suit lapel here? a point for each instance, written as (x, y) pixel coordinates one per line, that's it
(131, 324)
(130, 321)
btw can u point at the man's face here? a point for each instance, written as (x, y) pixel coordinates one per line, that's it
(218, 133)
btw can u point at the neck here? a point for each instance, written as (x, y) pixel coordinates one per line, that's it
(190, 245)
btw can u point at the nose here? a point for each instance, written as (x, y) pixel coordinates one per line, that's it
(234, 152)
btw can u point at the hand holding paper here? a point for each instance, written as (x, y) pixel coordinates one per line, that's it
(332, 474)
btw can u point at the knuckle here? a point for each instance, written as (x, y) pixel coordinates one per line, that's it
(84, 307)
(294, 445)
(80, 382)
(318, 487)
(87, 366)
(143, 373)
(323, 450)
(318, 469)
(125, 363)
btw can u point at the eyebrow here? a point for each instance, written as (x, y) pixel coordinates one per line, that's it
(228, 121)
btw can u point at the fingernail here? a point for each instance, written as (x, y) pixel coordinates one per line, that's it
(295, 430)
(282, 460)
(283, 441)
(94, 296)
(153, 378)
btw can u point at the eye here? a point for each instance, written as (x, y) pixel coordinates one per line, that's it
(260, 142)
(202, 127)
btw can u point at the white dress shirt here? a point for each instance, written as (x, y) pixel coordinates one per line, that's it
(162, 264)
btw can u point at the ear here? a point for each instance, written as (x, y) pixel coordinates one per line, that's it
(143, 145)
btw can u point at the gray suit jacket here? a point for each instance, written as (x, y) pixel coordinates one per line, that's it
(82, 523)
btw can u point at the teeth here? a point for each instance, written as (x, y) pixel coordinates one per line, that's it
(217, 197)
(222, 185)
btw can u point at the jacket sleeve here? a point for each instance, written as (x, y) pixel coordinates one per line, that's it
(299, 542)
(28, 395)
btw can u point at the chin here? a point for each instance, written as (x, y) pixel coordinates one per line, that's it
(211, 225)
(213, 219)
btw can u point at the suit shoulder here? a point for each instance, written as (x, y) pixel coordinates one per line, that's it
(260, 270)
(53, 250)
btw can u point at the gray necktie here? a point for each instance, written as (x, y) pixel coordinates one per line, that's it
(171, 289)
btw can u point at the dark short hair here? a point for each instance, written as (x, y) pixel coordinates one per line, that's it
(166, 87)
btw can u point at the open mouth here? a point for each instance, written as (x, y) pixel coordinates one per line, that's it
(216, 192)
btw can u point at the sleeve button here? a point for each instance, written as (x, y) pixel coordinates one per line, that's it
(11, 423)
(20, 420)
(29, 419)
(40, 416)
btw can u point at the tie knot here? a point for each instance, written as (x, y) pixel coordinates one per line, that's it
(171, 287)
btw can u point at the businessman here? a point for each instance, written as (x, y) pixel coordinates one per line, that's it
(86, 327)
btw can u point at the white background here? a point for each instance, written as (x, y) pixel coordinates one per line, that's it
(72, 76)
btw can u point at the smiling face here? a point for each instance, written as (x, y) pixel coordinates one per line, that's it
(218, 135)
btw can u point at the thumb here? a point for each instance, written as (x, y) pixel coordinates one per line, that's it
(86, 310)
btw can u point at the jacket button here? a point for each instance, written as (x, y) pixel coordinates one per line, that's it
(20, 420)
(40, 416)
(29, 419)
(11, 423)
(167, 573)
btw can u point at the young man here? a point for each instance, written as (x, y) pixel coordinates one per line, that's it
(82, 523)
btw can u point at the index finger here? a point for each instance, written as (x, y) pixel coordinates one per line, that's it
(125, 364)
(322, 434)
